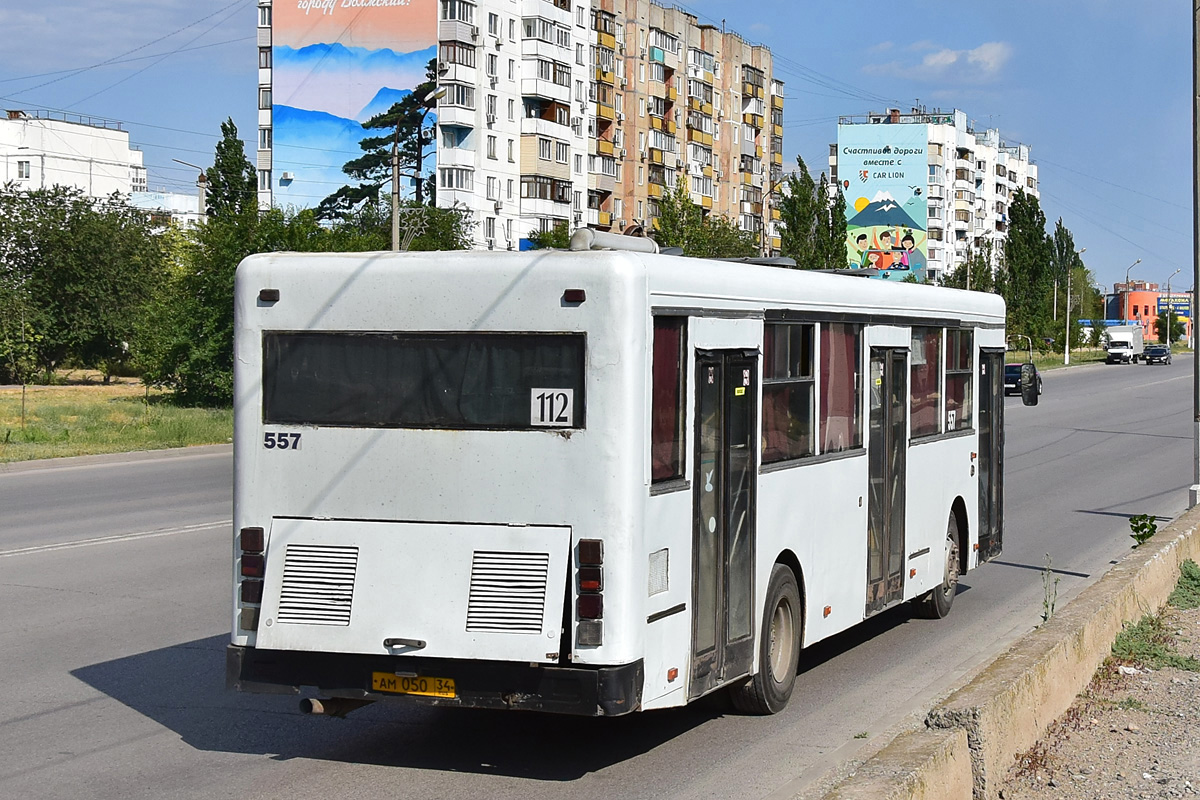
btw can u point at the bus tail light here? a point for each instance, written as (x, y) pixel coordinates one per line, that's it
(589, 604)
(253, 563)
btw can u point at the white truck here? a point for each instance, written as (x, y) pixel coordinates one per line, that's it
(1124, 344)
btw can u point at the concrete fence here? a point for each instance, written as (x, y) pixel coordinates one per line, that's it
(972, 738)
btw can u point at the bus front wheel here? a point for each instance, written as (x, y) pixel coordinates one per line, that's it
(768, 691)
(938, 602)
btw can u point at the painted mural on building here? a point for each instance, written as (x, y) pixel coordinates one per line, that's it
(336, 64)
(884, 173)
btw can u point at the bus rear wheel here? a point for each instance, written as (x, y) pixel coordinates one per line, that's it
(937, 603)
(768, 690)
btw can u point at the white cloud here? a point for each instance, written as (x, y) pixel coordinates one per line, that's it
(977, 65)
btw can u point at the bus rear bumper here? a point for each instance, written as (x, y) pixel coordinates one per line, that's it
(595, 691)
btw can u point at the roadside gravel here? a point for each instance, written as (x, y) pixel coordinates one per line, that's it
(1134, 733)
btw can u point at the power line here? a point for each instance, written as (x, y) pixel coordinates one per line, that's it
(78, 70)
(106, 62)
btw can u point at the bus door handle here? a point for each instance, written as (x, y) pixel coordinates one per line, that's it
(416, 644)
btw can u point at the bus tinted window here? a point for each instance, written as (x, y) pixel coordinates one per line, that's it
(788, 392)
(666, 407)
(424, 380)
(841, 421)
(959, 345)
(926, 380)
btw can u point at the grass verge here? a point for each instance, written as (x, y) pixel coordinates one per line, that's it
(88, 419)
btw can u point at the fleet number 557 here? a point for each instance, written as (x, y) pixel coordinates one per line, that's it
(281, 441)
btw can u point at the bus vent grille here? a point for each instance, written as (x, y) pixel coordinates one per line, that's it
(508, 592)
(318, 584)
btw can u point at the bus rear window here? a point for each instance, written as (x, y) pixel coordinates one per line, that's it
(505, 381)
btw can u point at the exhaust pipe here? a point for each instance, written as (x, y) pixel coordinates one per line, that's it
(331, 706)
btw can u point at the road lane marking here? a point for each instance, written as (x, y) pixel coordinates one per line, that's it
(120, 537)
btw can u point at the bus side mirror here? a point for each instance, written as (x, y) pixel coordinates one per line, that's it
(1029, 390)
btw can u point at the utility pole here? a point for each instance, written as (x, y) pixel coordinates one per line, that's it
(396, 189)
(1194, 490)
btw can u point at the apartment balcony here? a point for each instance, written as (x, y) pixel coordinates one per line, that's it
(752, 208)
(455, 31)
(776, 243)
(936, 192)
(776, 214)
(777, 159)
(544, 127)
(605, 112)
(657, 123)
(777, 130)
(706, 202)
(655, 189)
(752, 90)
(747, 178)
(606, 40)
(604, 219)
(707, 170)
(603, 76)
(758, 152)
(459, 73)
(700, 137)
(547, 90)
(753, 120)
(777, 102)
(656, 156)
(936, 160)
(962, 224)
(604, 147)
(697, 104)
(456, 115)
(601, 182)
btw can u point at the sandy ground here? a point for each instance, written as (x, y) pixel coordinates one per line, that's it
(1135, 733)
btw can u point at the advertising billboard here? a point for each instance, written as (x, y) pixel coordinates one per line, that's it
(1180, 304)
(336, 64)
(884, 173)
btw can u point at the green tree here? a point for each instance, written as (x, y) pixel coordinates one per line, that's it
(231, 181)
(1027, 280)
(801, 211)
(683, 224)
(832, 232)
(75, 274)
(1178, 327)
(403, 124)
(978, 268)
(557, 238)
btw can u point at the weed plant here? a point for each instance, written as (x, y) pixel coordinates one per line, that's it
(1187, 591)
(1149, 643)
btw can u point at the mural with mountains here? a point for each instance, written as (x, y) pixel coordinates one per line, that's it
(322, 94)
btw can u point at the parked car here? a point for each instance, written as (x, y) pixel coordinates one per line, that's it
(1012, 379)
(1157, 354)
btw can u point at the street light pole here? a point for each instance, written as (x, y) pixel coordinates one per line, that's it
(1125, 299)
(432, 97)
(1170, 306)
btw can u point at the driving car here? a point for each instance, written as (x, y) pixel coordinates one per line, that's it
(1012, 379)
(1157, 354)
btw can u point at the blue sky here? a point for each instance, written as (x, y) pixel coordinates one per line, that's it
(1100, 89)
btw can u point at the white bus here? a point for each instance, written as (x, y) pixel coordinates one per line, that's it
(594, 482)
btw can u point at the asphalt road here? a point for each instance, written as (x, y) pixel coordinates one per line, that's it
(115, 597)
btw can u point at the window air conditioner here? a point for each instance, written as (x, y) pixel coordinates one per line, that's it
(475, 33)
(624, 152)
(443, 67)
(491, 244)
(491, 119)
(287, 176)
(620, 116)
(499, 205)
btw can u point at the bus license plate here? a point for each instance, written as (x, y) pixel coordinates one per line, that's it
(423, 685)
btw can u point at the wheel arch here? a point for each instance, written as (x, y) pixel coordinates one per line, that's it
(788, 559)
(959, 509)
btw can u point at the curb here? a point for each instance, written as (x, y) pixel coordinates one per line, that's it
(1006, 708)
(100, 459)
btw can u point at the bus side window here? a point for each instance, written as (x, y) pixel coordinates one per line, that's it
(667, 398)
(959, 343)
(926, 381)
(788, 392)
(841, 366)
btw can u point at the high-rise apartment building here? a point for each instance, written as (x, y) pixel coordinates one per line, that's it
(929, 178)
(547, 111)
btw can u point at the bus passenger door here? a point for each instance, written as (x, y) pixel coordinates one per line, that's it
(991, 453)
(723, 518)
(886, 465)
